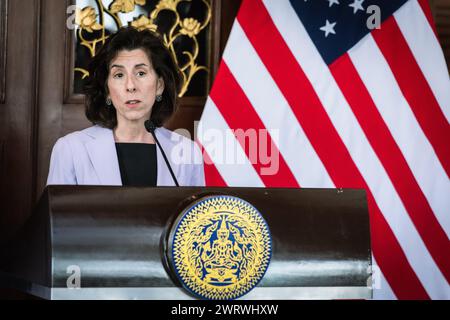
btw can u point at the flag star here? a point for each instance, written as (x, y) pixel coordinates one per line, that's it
(328, 28)
(357, 5)
(333, 2)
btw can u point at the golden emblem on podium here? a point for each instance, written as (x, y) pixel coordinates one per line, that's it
(220, 247)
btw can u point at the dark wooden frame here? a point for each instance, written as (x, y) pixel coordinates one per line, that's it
(3, 49)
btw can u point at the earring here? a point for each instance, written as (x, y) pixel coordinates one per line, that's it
(108, 101)
(158, 98)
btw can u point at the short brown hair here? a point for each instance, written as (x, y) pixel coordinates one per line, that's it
(129, 38)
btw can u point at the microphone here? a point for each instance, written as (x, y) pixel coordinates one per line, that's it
(150, 127)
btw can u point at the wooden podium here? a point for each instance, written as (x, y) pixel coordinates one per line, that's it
(114, 237)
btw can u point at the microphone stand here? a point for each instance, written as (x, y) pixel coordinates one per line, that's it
(150, 127)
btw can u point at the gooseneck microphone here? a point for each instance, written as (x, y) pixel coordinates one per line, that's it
(150, 127)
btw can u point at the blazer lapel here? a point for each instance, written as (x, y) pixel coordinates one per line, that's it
(102, 152)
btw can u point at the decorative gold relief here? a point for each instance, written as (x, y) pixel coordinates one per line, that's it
(143, 23)
(167, 4)
(86, 19)
(170, 18)
(125, 6)
(190, 27)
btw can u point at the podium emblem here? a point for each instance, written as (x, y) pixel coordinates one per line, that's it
(220, 247)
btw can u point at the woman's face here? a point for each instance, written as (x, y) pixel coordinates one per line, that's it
(133, 85)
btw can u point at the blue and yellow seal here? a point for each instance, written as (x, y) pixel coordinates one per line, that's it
(220, 247)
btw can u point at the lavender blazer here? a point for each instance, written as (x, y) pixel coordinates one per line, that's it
(89, 157)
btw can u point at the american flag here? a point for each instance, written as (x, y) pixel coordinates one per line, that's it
(352, 94)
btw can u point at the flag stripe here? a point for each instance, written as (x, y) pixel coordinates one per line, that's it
(427, 11)
(403, 126)
(226, 94)
(427, 51)
(314, 120)
(223, 149)
(212, 175)
(393, 161)
(392, 260)
(274, 111)
(415, 88)
(381, 288)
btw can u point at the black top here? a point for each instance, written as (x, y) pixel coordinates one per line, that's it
(137, 162)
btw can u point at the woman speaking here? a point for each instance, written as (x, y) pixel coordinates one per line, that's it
(131, 91)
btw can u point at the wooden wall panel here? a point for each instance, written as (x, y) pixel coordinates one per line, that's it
(18, 114)
(3, 32)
